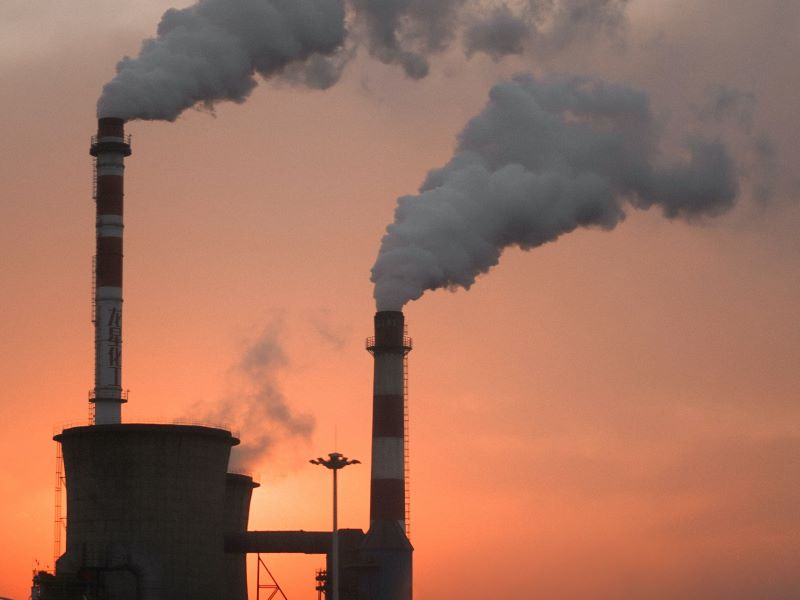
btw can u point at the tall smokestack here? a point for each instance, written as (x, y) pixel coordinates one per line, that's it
(109, 147)
(386, 550)
(389, 347)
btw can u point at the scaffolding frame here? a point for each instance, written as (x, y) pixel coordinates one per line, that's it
(60, 518)
(271, 587)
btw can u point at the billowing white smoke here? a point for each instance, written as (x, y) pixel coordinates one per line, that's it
(543, 158)
(211, 51)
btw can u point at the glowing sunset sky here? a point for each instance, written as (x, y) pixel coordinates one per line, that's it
(613, 415)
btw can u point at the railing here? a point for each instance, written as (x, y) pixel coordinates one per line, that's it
(124, 395)
(196, 423)
(63, 426)
(126, 139)
(192, 423)
(408, 343)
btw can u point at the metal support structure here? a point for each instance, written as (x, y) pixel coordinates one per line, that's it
(271, 587)
(322, 582)
(60, 519)
(335, 462)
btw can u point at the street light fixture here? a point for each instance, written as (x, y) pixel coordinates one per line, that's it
(335, 462)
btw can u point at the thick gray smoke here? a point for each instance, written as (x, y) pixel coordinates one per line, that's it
(544, 26)
(499, 34)
(543, 158)
(211, 51)
(259, 409)
(406, 32)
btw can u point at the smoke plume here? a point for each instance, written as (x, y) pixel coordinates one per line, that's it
(406, 32)
(499, 34)
(732, 110)
(259, 409)
(543, 158)
(212, 50)
(725, 102)
(544, 26)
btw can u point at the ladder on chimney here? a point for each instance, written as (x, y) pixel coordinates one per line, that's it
(94, 258)
(94, 289)
(94, 179)
(406, 441)
(60, 521)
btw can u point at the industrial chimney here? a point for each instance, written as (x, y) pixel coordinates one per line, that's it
(386, 551)
(109, 147)
(389, 347)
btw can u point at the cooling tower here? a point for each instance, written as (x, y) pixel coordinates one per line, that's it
(147, 510)
(238, 491)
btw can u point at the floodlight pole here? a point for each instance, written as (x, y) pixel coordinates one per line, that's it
(335, 462)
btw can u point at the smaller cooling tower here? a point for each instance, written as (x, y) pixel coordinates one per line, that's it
(238, 491)
(147, 510)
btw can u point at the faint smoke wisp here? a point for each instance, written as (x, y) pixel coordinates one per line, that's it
(258, 408)
(544, 158)
(733, 111)
(726, 102)
(212, 50)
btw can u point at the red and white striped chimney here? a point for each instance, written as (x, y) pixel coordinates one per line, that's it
(109, 147)
(389, 347)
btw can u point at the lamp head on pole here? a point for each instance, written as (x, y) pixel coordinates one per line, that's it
(335, 461)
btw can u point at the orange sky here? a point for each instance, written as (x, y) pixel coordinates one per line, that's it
(610, 416)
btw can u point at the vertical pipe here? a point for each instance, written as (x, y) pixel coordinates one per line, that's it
(109, 147)
(389, 348)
